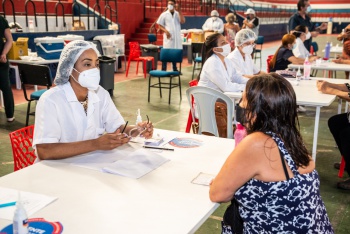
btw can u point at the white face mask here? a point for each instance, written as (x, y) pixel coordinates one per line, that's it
(171, 7)
(226, 50)
(248, 49)
(214, 18)
(89, 79)
(308, 36)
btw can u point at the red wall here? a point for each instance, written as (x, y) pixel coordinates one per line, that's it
(130, 15)
(331, 2)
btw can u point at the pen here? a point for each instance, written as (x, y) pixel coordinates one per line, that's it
(126, 124)
(7, 204)
(152, 147)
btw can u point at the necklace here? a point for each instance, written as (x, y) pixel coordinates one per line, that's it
(85, 104)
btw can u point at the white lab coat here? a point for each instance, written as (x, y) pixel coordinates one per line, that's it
(172, 24)
(61, 118)
(300, 50)
(216, 25)
(244, 67)
(214, 75)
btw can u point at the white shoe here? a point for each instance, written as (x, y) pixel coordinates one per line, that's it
(301, 109)
(11, 119)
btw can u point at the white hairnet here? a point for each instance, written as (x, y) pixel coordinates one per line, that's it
(214, 13)
(243, 36)
(70, 54)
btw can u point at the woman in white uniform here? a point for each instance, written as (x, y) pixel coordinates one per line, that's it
(218, 71)
(78, 116)
(302, 34)
(241, 55)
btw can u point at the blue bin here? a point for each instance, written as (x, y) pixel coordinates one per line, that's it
(49, 47)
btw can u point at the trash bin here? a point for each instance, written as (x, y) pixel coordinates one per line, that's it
(107, 73)
(152, 51)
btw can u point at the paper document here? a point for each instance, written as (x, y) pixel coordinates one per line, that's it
(32, 202)
(203, 179)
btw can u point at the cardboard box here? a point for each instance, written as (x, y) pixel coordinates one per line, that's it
(19, 48)
(197, 37)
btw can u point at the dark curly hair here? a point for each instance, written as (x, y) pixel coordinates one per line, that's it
(271, 106)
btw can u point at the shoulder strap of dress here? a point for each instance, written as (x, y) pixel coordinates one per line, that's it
(284, 164)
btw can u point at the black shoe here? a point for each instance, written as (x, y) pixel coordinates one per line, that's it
(337, 165)
(344, 184)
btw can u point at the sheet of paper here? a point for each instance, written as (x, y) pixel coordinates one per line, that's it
(203, 179)
(32, 202)
(136, 164)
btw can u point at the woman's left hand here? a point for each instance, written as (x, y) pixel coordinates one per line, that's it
(148, 129)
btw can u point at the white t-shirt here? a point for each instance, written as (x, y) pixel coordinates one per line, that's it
(214, 75)
(244, 67)
(300, 51)
(61, 118)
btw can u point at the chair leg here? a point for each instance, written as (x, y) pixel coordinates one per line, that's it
(28, 110)
(189, 122)
(180, 88)
(144, 68)
(127, 69)
(170, 84)
(149, 87)
(260, 60)
(137, 67)
(160, 87)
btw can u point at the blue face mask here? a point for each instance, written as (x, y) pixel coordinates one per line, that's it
(308, 9)
(294, 46)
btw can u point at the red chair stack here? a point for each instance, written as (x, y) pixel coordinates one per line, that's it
(192, 83)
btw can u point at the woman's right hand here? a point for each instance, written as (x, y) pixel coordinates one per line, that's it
(111, 141)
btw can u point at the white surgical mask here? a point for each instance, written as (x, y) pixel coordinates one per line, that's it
(89, 79)
(171, 7)
(214, 18)
(247, 49)
(308, 9)
(308, 35)
(226, 50)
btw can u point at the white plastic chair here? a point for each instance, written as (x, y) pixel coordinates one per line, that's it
(205, 99)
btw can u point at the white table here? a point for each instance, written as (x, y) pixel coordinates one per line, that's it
(308, 95)
(13, 64)
(325, 66)
(163, 201)
(336, 50)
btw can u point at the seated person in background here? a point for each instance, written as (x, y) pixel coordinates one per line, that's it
(339, 125)
(345, 57)
(217, 71)
(270, 163)
(284, 55)
(78, 116)
(302, 33)
(231, 28)
(241, 56)
(214, 23)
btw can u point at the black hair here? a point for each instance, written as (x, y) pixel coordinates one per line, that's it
(299, 29)
(272, 106)
(172, 1)
(301, 3)
(207, 49)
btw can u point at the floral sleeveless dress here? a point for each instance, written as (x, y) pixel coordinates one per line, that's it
(289, 206)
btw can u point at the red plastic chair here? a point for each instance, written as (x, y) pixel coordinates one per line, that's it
(21, 142)
(342, 167)
(135, 55)
(192, 83)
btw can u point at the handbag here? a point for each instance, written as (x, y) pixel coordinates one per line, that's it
(232, 221)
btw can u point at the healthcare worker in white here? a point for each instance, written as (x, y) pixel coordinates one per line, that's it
(214, 23)
(78, 116)
(218, 71)
(302, 34)
(241, 55)
(169, 22)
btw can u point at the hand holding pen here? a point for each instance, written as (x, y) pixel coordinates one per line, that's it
(145, 128)
(113, 140)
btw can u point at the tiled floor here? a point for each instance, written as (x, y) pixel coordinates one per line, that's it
(131, 93)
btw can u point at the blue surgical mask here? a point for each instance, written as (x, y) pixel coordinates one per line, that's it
(294, 46)
(308, 9)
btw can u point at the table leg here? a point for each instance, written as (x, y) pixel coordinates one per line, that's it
(189, 53)
(314, 144)
(18, 80)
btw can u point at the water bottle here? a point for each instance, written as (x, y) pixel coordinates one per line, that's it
(240, 133)
(20, 219)
(327, 51)
(307, 69)
(298, 74)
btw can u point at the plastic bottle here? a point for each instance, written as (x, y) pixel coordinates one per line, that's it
(138, 118)
(20, 218)
(298, 75)
(31, 25)
(327, 51)
(307, 69)
(239, 134)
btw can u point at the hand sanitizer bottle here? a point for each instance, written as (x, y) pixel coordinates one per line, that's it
(298, 75)
(20, 219)
(307, 69)
(138, 118)
(239, 134)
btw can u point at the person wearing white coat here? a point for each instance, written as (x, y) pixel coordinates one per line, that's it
(78, 116)
(218, 72)
(241, 55)
(169, 22)
(214, 23)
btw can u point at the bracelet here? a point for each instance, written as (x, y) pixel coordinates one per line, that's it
(348, 86)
